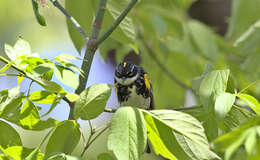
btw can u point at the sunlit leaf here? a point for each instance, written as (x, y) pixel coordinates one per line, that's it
(182, 134)
(243, 135)
(213, 84)
(92, 101)
(127, 135)
(251, 101)
(67, 76)
(10, 104)
(29, 115)
(42, 97)
(224, 104)
(20, 153)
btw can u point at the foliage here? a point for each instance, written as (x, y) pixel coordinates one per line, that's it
(174, 55)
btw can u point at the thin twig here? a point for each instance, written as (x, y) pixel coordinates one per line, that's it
(109, 110)
(253, 83)
(100, 133)
(91, 48)
(8, 74)
(90, 141)
(161, 65)
(114, 25)
(70, 18)
(29, 89)
(92, 132)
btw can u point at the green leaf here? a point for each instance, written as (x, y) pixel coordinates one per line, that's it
(55, 102)
(67, 76)
(197, 80)
(29, 115)
(65, 138)
(8, 136)
(19, 80)
(72, 97)
(223, 104)
(60, 156)
(40, 19)
(156, 139)
(182, 134)
(204, 39)
(243, 15)
(243, 135)
(213, 84)
(21, 48)
(127, 136)
(10, 104)
(92, 101)
(106, 156)
(51, 86)
(251, 101)
(44, 124)
(20, 153)
(43, 68)
(42, 97)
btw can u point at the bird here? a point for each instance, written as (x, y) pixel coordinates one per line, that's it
(133, 86)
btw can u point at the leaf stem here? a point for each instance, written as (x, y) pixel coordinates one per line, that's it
(114, 25)
(109, 110)
(8, 74)
(91, 48)
(29, 89)
(253, 83)
(90, 140)
(70, 18)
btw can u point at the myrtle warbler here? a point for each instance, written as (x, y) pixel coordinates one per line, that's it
(133, 86)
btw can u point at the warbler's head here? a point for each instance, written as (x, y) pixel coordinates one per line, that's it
(126, 73)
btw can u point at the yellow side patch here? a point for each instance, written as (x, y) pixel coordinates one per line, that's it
(124, 64)
(115, 88)
(146, 81)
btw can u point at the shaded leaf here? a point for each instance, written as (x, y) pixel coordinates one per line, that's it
(8, 136)
(40, 19)
(106, 156)
(65, 138)
(204, 40)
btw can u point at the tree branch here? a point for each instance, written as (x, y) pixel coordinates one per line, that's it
(91, 48)
(29, 76)
(161, 65)
(70, 18)
(113, 26)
